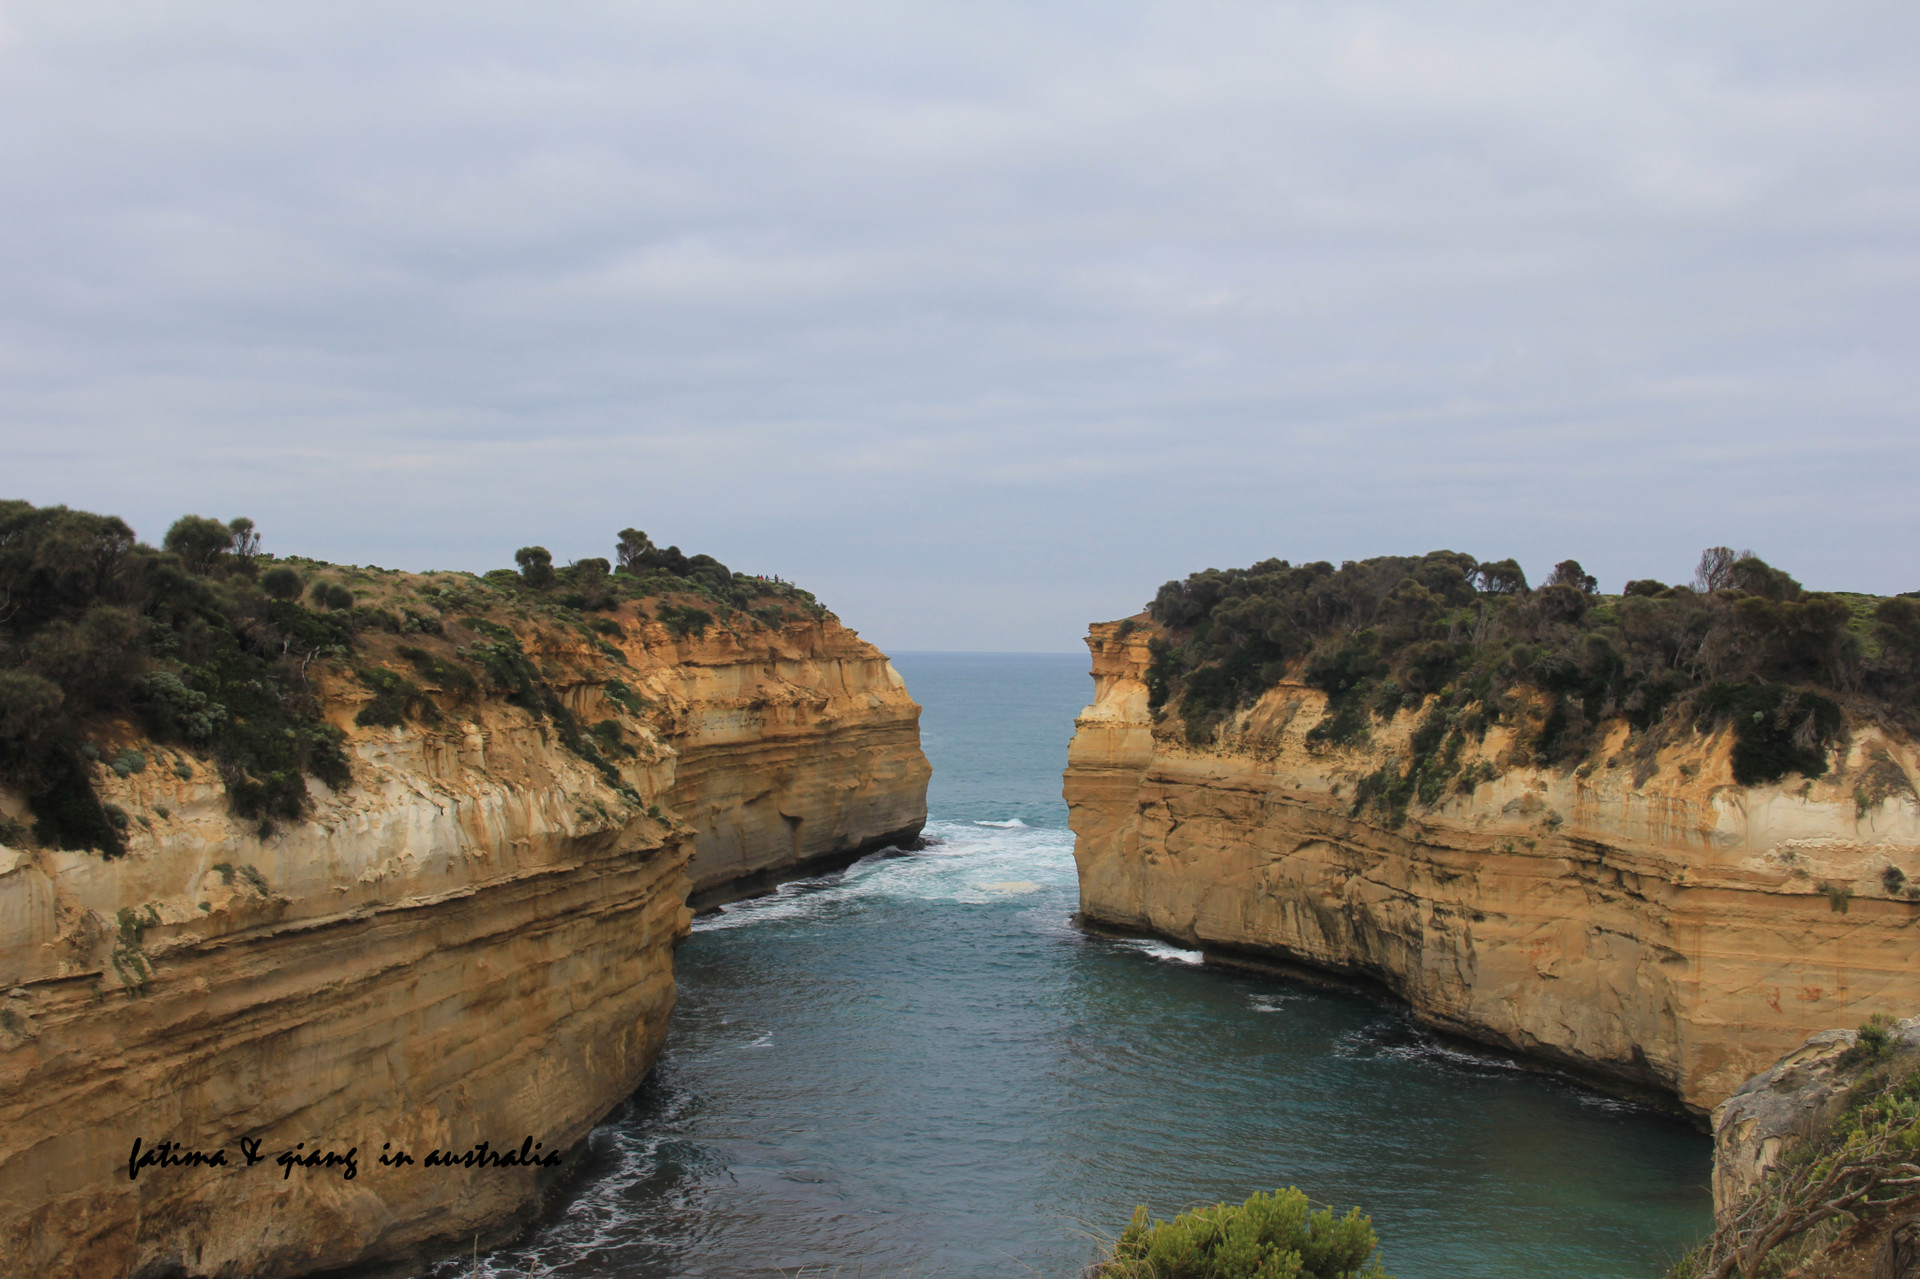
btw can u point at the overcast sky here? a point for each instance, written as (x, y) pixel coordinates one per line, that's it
(979, 319)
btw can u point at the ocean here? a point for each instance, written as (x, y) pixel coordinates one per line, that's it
(921, 1067)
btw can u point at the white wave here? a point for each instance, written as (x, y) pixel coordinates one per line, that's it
(1269, 1003)
(765, 1041)
(1164, 952)
(967, 863)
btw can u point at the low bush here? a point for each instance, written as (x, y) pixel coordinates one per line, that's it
(1276, 1236)
(683, 620)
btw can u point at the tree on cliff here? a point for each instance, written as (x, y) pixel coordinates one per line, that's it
(536, 566)
(1715, 571)
(199, 542)
(633, 545)
(1569, 573)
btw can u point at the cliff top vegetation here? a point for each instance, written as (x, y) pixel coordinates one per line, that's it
(210, 649)
(1744, 645)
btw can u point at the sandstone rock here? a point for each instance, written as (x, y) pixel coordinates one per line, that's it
(471, 943)
(1672, 934)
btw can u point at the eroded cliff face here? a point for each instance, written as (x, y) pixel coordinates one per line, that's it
(796, 750)
(473, 942)
(1678, 935)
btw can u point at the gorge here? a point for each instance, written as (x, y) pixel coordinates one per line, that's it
(465, 939)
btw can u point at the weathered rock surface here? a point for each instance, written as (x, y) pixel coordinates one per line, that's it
(1675, 935)
(795, 751)
(471, 943)
(1797, 1097)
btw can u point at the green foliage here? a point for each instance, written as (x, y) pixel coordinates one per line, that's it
(282, 583)
(1874, 1042)
(1383, 635)
(1859, 1169)
(1777, 730)
(128, 762)
(199, 542)
(1276, 1236)
(451, 677)
(536, 566)
(394, 695)
(331, 595)
(173, 711)
(682, 620)
(29, 705)
(609, 737)
(68, 814)
(631, 548)
(625, 698)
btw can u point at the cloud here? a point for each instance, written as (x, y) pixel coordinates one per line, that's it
(981, 319)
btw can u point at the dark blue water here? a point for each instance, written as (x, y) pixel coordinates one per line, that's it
(921, 1068)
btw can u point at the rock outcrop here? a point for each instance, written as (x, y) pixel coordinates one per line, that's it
(470, 943)
(1801, 1099)
(1796, 1098)
(795, 752)
(1675, 934)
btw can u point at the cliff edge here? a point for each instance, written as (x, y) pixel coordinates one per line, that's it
(405, 988)
(1643, 917)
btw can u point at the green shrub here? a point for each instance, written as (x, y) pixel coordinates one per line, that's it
(450, 676)
(172, 710)
(1777, 730)
(331, 595)
(29, 705)
(1873, 1042)
(1276, 1236)
(682, 620)
(394, 697)
(128, 762)
(536, 566)
(199, 542)
(282, 583)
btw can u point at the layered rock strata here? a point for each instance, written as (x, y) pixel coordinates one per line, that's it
(1678, 934)
(471, 943)
(796, 752)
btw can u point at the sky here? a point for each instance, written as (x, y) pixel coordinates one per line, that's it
(980, 320)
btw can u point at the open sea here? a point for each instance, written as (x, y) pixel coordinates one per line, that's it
(919, 1067)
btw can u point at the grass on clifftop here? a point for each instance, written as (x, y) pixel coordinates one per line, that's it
(218, 650)
(1468, 641)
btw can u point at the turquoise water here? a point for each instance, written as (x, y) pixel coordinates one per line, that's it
(920, 1067)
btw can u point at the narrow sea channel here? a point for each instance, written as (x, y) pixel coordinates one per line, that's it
(920, 1067)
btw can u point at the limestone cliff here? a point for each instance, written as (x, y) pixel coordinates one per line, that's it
(1678, 934)
(472, 942)
(795, 750)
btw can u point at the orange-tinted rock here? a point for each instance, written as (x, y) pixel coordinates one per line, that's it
(471, 943)
(1676, 935)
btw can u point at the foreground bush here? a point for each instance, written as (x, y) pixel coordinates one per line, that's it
(1276, 1236)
